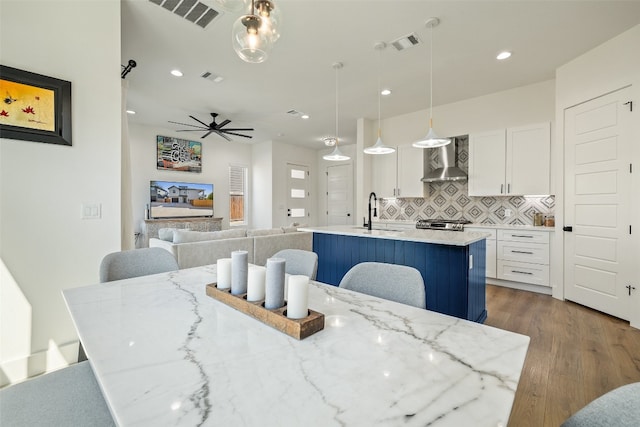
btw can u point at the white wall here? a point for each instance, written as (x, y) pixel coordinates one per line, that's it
(217, 155)
(262, 185)
(610, 66)
(45, 246)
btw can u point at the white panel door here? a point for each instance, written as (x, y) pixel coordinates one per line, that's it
(527, 167)
(298, 194)
(339, 195)
(598, 252)
(487, 158)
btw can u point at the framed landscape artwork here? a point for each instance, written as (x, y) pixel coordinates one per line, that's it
(34, 107)
(178, 154)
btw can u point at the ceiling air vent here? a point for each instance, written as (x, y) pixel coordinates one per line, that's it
(295, 113)
(213, 77)
(191, 10)
(405, 42)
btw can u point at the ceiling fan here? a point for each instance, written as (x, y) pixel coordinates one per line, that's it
(214, 127)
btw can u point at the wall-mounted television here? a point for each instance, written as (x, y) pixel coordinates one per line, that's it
(170, 199)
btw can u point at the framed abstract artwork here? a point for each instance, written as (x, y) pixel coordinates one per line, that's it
(34, 107)
(178, 154)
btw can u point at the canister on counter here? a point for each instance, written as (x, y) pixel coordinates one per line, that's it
(537, 219)
(549, 221)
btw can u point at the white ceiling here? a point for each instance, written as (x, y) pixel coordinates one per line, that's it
(299, 75)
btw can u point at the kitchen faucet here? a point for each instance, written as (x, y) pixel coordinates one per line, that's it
(375, 211)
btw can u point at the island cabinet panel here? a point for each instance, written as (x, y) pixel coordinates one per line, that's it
(454, 285)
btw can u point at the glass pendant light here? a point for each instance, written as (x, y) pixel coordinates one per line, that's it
(251, 44)
(271, 19)
(431, 140)
(336, 155)
(379, 147)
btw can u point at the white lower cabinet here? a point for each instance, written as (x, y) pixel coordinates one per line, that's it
(523, 256)
(517, 255)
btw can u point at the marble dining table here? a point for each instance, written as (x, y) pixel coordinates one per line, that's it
(165, 353)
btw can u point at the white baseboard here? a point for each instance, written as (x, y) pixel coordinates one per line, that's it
(18, 370)
(521, 286)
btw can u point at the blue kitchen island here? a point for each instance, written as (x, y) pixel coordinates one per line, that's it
(452, 263)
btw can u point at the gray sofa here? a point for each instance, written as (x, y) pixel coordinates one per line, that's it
(196, 248)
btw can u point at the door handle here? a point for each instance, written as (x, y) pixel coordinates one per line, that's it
(567, 228)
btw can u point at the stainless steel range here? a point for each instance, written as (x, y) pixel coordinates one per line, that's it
(442, 224)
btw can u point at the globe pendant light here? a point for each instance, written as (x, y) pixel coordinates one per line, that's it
(271, 19)
(336, 155)
(379, 147)
(251, 44)
(431, 140)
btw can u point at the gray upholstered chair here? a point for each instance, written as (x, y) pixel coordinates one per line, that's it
(135, 263)
(620, 408)
(389, 281)
(299, 262)
(67, 397)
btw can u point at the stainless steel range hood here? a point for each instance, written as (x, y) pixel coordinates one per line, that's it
(447, 171)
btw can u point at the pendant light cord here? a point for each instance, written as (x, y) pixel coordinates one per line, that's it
(431, 77)
(379, 68)
(337, 68)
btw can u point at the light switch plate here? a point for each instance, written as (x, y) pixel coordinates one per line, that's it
(91, 210)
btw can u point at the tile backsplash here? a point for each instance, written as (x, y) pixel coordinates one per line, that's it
(451, 200)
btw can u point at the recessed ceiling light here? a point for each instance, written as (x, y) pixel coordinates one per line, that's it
(304, 116)
(503, 55)
(130, 112)
(385, 92)
(176, 73)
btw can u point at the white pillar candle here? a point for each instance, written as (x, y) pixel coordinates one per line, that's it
(255, 284)
(298, 297)
(239, 272)
(223, 272)
(274, 292)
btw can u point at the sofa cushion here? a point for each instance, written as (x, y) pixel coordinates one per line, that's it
(166, 234)
(265, 246)
(183, 236)
(264, 232)
(289, 229)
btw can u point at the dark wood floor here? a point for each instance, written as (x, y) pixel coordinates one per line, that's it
(575, 355)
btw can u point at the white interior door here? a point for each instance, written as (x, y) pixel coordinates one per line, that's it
(598, 252)
(339, 195)
(298, 194)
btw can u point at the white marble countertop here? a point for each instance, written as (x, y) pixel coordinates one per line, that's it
(165, 353)
(453, 238)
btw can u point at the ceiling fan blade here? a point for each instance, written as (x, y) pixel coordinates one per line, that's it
(239, 134)
(206, 134)
(224, 123)
(223, 135)
(190, 130)
(187, 124)
(241, 129)
(201, 122)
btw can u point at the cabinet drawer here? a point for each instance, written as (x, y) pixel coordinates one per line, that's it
(491, 231)
(536, 274)
(524, 236)
(516, 251)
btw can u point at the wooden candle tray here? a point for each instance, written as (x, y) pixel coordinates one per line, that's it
(277, 319)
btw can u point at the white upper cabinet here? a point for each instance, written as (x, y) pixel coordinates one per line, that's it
(508, 162)
(399, 174)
